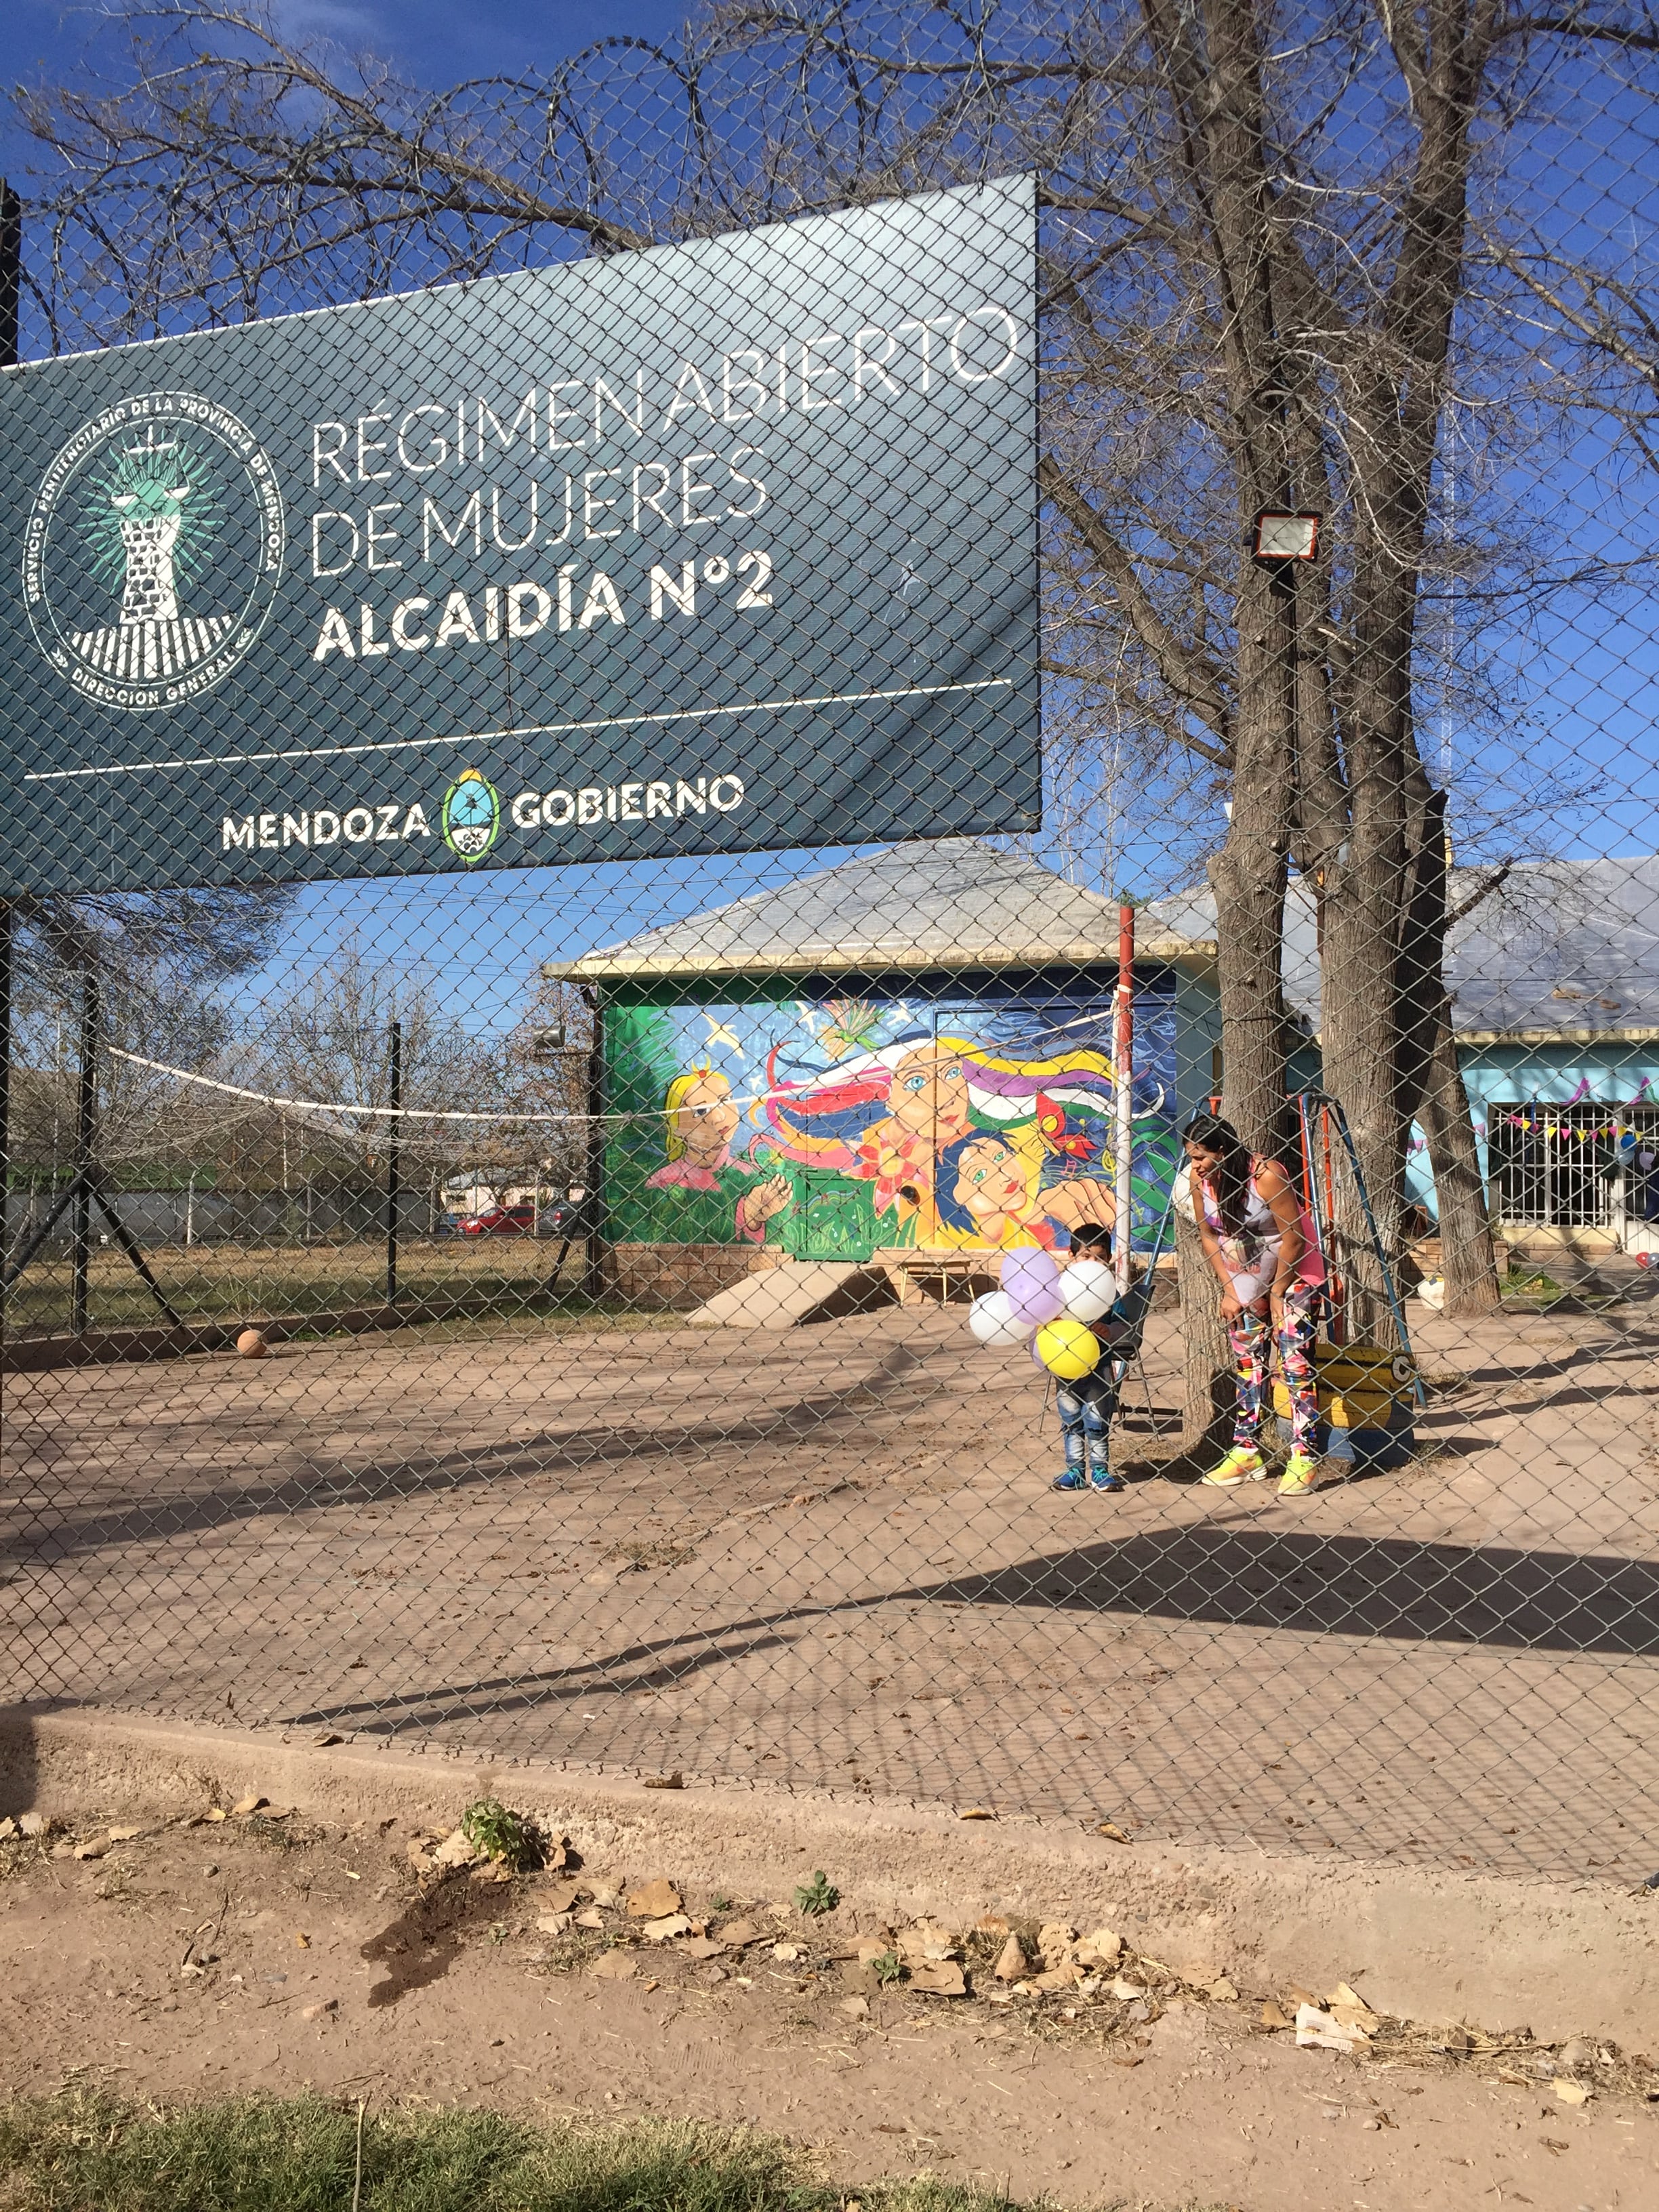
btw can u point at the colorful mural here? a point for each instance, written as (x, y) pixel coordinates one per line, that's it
(837, 1128)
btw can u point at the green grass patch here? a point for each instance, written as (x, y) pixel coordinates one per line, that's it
(81, 2152)
(1531, 1283)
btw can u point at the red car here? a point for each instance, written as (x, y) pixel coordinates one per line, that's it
(499, 1221)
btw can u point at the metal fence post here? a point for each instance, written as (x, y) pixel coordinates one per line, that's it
(394, 1157)
(85, 1137)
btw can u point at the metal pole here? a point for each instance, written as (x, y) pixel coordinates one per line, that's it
(85, 1137)
(1124, 1056)
(393, 1159)
(5, 1093)
(11, 290)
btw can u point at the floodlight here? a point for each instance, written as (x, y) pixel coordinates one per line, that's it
(1287, 536)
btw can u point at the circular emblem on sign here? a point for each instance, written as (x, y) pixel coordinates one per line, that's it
(154, 551)
(472, 815)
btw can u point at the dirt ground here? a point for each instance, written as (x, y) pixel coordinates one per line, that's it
(831, 1555)
(255, 1953)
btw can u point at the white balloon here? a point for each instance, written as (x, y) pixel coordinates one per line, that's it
(994, 1319)
(1090, 1290)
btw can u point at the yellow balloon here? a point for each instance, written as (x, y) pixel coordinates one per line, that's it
(1067, 1349)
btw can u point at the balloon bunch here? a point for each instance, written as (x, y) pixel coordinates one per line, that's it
(1050, 1309)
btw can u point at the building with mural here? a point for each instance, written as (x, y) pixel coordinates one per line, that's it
(906, 1059)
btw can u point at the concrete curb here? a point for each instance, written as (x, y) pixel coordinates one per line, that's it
(1427, 1944)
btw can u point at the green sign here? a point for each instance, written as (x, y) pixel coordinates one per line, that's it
(717, 547)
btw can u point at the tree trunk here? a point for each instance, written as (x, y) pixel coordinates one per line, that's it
(1208, 1361)
(1249, 877)
(1468, 1257)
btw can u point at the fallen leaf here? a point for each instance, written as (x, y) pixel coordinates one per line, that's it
(872, 1947)
(1271, 2016)
(1104, 1947)
(656, 1898)
(553, 1924)
(560, 1896)
(92, 1850)
(247, 1804)
(457, 1849)
(1574, 2093)
(1012, 1963)
(1349, 2009)
(592, 1918)
(977, 1813)
(700, 1946)
(1126, 1992)
(1223, 1991)
(614, 1967)
(123, 1835)
(8, 1826)
(1060, 1978)
(1304, 1997)
(301, 1942)
(671, 1923)
(322, 2006)
(215, 1813)
(937, 1978)
(855, 2008)
(737, 1933)
(786, 1952)
(328, 1736)
(925, 1939)
(33, 1823)
(1109, 1828)
(674, 1780)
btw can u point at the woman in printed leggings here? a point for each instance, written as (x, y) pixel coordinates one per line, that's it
(1260, 1241)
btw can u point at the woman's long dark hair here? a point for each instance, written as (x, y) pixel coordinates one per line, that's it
(1230, 1178)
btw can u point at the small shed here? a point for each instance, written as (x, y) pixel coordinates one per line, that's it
(905, 1058)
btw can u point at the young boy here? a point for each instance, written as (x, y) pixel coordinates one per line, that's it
(1085, 1405)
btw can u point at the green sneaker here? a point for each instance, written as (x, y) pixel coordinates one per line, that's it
(1244, 1463)
(1300, 1476)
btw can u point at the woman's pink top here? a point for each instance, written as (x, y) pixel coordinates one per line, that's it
(1255, 1250)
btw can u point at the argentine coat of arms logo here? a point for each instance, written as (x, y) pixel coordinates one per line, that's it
(154, 551)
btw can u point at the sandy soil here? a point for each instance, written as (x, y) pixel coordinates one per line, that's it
(831, 1555)
(174, 1966)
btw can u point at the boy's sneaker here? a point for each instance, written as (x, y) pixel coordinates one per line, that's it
(1073, 1479)
(1101, 1478)
(1300, 1476)
(1244, 1463)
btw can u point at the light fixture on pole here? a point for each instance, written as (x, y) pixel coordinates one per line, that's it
(1284, 537)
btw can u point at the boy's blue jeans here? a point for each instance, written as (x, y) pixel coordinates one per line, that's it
(1086, 1420)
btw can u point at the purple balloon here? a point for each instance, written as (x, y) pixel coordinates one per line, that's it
(1031, 1279)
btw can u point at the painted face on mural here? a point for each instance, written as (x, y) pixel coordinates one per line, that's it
(929, 1096)
(991, 1182)
(705, 1120)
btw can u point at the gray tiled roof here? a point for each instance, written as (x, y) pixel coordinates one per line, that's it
(954, 903)
(1561, 948)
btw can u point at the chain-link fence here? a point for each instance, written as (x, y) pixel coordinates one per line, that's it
(673, 734)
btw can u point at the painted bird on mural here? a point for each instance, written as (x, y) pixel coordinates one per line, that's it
(1051, 1128)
